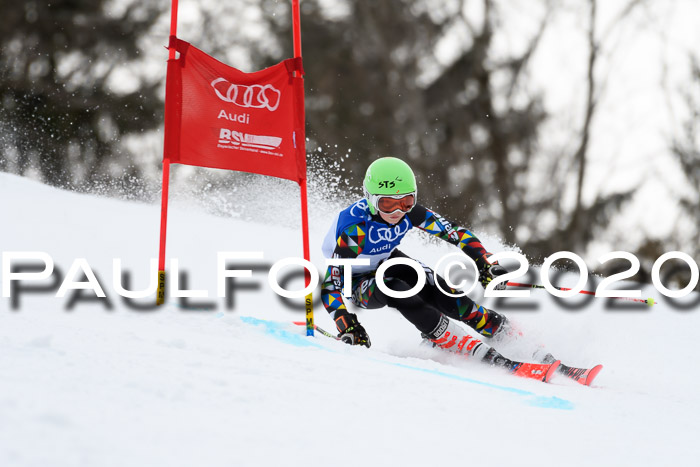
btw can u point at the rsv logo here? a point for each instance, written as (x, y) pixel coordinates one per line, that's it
(237, 138)
(255, 96)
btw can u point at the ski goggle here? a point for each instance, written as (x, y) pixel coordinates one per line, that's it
(389, 204)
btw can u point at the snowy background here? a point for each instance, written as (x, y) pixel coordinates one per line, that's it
(92, 385)
(83, 86)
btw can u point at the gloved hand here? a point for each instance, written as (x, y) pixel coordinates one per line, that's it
(351, 331)
(489, 271)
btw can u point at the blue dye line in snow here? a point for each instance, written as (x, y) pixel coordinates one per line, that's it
(550, 402)
(277, 330)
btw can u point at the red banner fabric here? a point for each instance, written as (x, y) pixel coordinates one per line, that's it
(220, 117)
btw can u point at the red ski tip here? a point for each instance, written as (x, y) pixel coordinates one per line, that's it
(592, 373)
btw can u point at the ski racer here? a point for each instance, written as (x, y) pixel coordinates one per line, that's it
(372, 229)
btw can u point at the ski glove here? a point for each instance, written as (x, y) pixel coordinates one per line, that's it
(351, 331)
(489, 272)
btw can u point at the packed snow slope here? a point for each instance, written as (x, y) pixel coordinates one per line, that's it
(97, 383)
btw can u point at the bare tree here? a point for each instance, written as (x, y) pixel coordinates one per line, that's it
(580, 223)
(686, 149)
(61, 119)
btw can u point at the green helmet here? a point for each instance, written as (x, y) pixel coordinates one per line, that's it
(388, 176)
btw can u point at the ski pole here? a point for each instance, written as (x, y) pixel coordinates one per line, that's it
(648, 301)
(325, 333)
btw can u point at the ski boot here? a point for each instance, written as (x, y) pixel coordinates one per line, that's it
(450, 336)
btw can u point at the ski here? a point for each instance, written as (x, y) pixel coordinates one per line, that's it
(539, 371)
(583, 376)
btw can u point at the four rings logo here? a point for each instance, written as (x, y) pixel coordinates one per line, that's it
(388, 234)
(255, 96)
(361, 205)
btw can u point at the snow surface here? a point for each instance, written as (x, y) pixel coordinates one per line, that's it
(245, 387)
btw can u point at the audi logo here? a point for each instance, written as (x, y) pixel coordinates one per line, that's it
(362, 205)
(388, 234)
(256, 96)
